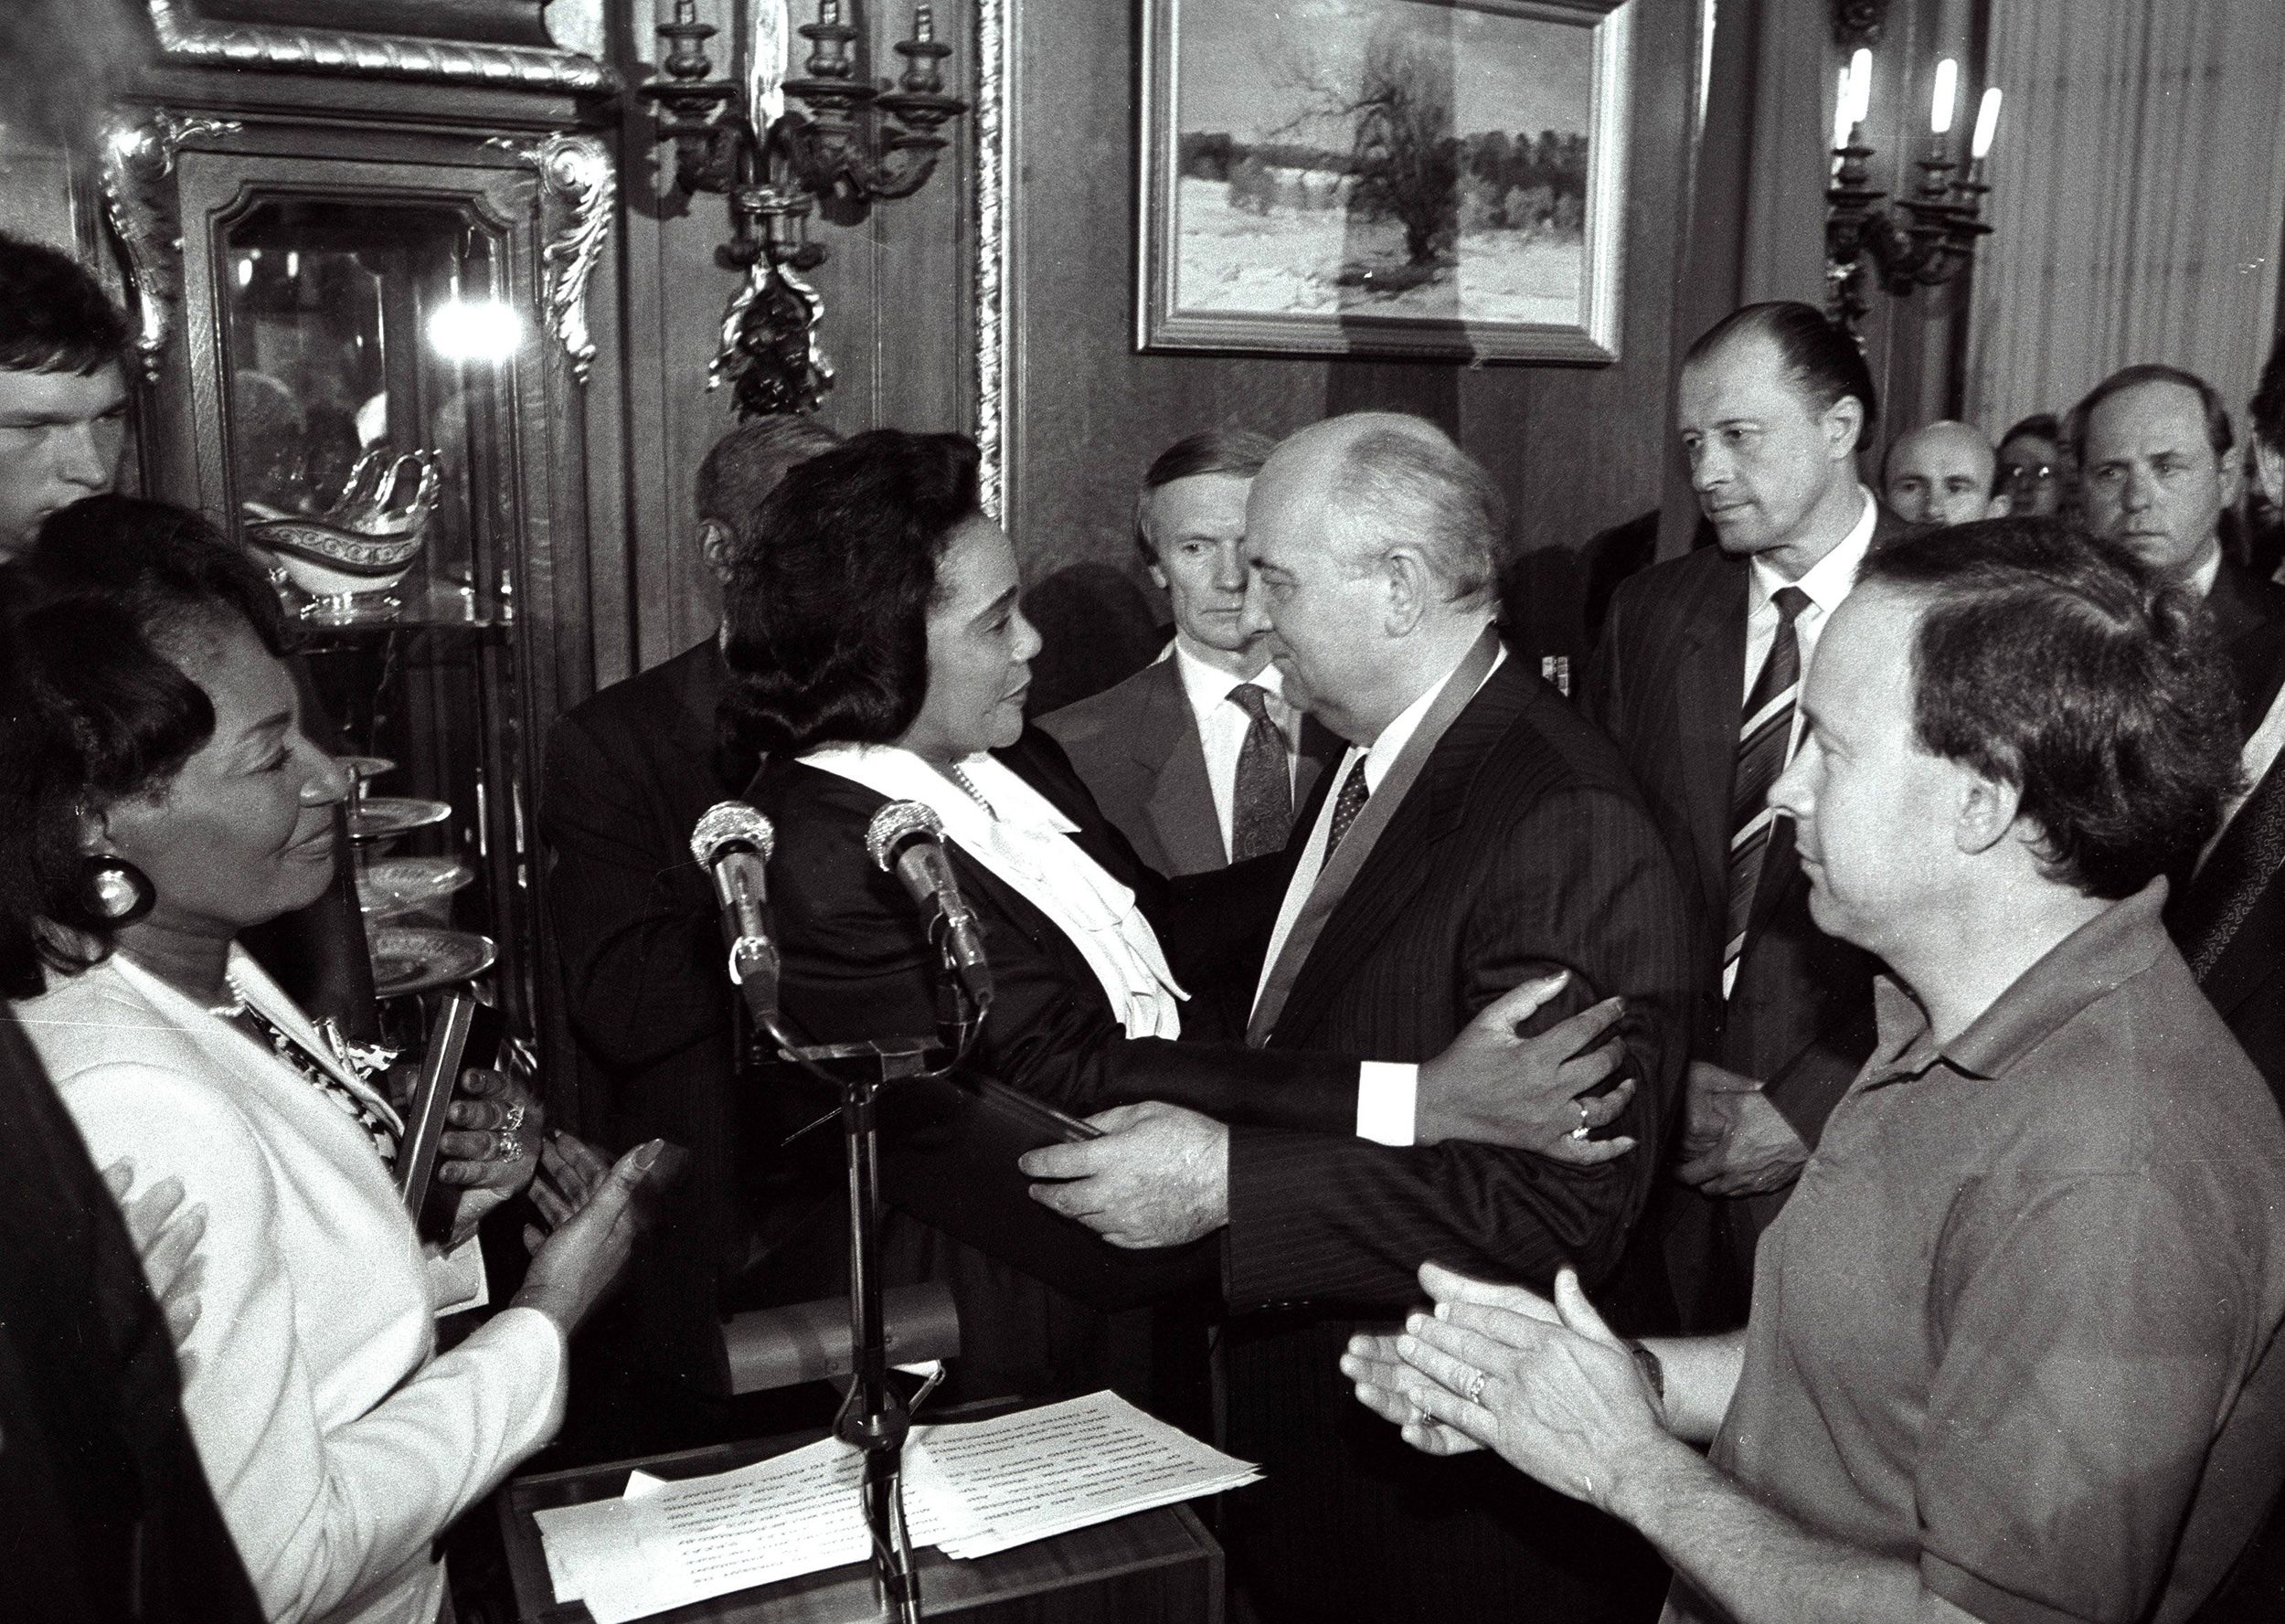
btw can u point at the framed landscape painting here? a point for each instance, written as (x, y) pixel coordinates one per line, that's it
(1392, 177)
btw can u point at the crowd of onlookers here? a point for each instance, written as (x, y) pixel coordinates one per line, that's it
(1797, 1111)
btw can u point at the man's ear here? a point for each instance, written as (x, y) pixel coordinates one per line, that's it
(2269, 471)
(1408, 583)
(1845, 428)
(2233, 475)
(1986, 811)
(1158, 575)
(714, 543)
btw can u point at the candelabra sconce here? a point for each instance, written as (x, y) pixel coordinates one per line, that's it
(1866, 241)
(858, 144)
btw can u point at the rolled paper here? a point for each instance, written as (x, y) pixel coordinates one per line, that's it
(1947, 93)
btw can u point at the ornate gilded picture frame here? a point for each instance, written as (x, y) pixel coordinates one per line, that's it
(1384, 177)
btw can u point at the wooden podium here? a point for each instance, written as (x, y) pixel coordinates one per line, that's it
(1154, 1568)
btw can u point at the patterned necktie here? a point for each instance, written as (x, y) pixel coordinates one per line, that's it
(1261, 811)
(1761, 741)
(1351, 802)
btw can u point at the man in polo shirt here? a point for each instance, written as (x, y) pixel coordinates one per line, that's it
(2011, 1350)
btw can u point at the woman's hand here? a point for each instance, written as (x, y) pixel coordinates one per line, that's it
(588, 1204)
(490, 1151)
(165, 1233)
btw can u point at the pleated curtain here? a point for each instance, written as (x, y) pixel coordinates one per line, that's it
(2138, 197)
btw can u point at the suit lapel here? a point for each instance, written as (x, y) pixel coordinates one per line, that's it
(1406, 853)
(1166, 746)
(1707, 693)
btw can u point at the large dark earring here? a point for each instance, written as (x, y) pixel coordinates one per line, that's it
(114, 890)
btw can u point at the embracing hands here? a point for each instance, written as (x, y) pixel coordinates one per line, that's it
(1495, 1087)
(1735, 1142)
(1545, 1383)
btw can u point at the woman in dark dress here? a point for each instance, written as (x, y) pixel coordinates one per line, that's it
(878, 652)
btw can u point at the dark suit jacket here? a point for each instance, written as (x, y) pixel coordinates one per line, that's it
(1666, 685)
(1523, 846)
(1137, 746)
(638, 941)
(2230, 918)
(105, 1515)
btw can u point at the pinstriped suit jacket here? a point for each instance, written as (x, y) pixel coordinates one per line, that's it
(1521, 847)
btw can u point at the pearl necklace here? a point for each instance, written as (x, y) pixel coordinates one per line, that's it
(959, 775)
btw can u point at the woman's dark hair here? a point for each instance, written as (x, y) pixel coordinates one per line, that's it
(92, 709)
(2063, 665)
(826, 609)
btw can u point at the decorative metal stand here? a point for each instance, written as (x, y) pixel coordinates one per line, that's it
(858, 144)
(1937, 246)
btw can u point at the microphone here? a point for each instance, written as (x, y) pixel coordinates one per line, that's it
(732, 843)
(907, 839)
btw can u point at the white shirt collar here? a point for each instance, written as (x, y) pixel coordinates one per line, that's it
(1207, 687)
(1828, 580)
(1388, 744)
(2209, 572)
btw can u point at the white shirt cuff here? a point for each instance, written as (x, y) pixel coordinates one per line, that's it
(1386, 1095)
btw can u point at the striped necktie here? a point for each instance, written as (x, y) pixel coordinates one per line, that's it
(1261, 810)
(1761, 741)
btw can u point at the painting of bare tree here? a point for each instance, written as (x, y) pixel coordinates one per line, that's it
(1385, 176)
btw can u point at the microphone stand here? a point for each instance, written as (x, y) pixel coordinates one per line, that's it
(873, 1418)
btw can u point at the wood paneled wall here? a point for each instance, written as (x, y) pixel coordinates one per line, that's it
(1576, 448)
(897, 323)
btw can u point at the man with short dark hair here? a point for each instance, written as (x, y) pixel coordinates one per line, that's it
(1695, 679)
(628, 773)
(2014, 1353)
(63, 392)
(1200, 758)
(2160, 465)
(1942, 472)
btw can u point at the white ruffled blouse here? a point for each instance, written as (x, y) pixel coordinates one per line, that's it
(1025, 843)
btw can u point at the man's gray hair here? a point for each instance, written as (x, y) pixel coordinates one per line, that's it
(1397, 486)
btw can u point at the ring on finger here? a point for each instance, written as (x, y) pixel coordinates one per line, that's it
(514, 1120)
(1475, 1386)
(1580, 1131)
(505, 1146)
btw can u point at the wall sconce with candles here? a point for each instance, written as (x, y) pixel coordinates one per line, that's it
(1934, 241)
(858, 144)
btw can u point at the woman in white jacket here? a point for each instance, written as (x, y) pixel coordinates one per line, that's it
(158, 796)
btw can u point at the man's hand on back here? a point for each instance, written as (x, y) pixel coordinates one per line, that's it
(1737, 1143)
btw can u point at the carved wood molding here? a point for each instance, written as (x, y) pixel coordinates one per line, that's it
(185, 36)
(577, 190)
(996, 31)
(137, 169)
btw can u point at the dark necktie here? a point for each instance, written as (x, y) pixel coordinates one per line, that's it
(1345, 806)
(1261, 811)
(1762, 737)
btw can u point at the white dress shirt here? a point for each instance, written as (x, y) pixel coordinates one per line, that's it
(1223, 726)
(1387, 1092)
(1827, 582)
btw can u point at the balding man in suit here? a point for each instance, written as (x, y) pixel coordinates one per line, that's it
(1480, 835)
(1199, 758)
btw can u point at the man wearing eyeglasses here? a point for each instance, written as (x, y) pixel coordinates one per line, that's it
(2031, 473)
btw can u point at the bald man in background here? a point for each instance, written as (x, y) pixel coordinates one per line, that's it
(1940, 474)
